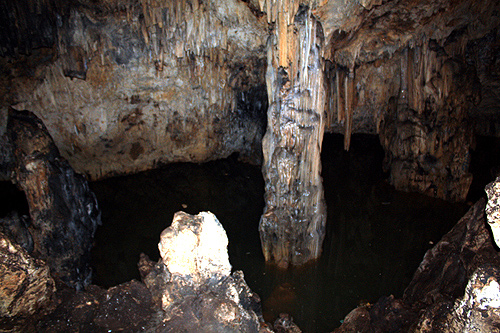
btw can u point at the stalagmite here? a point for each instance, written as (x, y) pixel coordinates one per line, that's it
(292, 227)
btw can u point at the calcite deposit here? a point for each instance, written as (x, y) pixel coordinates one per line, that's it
(193, 283)
(124, 86)
(292, 227)
(137, 84)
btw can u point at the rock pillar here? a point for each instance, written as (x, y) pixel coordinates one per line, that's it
(292, 227)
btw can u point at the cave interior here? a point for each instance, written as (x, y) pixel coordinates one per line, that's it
(308, 105)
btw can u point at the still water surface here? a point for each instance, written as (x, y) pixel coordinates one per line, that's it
(376, 237)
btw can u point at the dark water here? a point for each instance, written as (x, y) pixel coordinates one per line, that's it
(376, 237)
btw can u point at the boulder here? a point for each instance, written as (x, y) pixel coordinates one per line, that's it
(193, 284)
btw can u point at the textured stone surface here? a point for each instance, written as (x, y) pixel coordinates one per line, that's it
(292, 227)
(493, 209)
(16, 228)
(126, 307)
(477, 311)
(137, 84)
(26, 286)
(193, 283)
(63, 210)
(195, 248)
(127, 86)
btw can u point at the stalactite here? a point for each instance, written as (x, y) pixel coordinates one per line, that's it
(350, 100)
(339, 79)
(427, 134)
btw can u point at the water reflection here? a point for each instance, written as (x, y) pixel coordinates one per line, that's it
(376, 237)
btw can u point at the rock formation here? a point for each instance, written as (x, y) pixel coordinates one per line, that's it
(124, 86)
(63, 210)
(493, 209)
(131, 85)
(454, 289)
(26, 286)
(292, 227)
(193, 283)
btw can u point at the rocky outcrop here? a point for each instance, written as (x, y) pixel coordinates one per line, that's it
(26, 287)
(63, 210)
(193, 283)
(454, 289)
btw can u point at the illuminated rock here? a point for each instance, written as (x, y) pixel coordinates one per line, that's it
(193, 283)
(493, 209)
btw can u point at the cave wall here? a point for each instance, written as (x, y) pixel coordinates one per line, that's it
(125, 86)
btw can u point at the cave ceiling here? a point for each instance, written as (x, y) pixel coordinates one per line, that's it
(126, 85)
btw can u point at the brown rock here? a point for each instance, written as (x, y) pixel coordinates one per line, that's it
(26, 286)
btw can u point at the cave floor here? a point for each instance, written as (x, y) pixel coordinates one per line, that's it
(376, 237)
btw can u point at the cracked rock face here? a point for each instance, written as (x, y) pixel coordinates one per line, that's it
(193, 282)
(63, 211)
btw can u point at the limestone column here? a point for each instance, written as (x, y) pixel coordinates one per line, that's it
(292, 227)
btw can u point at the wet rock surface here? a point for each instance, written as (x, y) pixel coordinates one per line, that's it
(63, 211)
(193, 284)
(454, 289)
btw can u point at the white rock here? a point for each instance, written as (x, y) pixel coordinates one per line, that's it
(195, 247)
